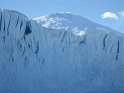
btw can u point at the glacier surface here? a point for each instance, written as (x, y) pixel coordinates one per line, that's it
(79, 59)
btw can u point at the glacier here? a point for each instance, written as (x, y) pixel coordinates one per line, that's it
(84, 58)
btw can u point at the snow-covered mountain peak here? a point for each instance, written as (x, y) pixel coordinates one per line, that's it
(66, 20)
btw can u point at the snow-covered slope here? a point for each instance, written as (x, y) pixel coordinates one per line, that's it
(34, 58)
(68, 21)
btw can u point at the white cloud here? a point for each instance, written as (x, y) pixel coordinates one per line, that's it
(109, 15)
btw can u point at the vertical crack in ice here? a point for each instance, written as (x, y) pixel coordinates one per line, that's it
(63, 35)
(21, 25)
(29, 45)
(111, 48)
(0, 21)
(4, 28)
(83, 41)
(37, 48)
(17, 21)
(27, 29)
(12, 59)
(9, 25)
(104, 41)
(43, 61)
(62, 39)
(23, 51)
(26, 63)
(118, 44)
(11, 53)
(4, 38)
(41, 64)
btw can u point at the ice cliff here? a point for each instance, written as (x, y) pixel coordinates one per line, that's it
(49, 60)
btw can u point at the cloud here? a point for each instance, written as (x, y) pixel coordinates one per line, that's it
(109, 15)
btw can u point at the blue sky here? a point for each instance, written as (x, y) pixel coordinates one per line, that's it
(100, 11)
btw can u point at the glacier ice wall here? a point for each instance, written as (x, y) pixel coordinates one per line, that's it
(34, 58)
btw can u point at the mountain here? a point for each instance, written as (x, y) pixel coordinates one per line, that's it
(56, 58)
(68, 21)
